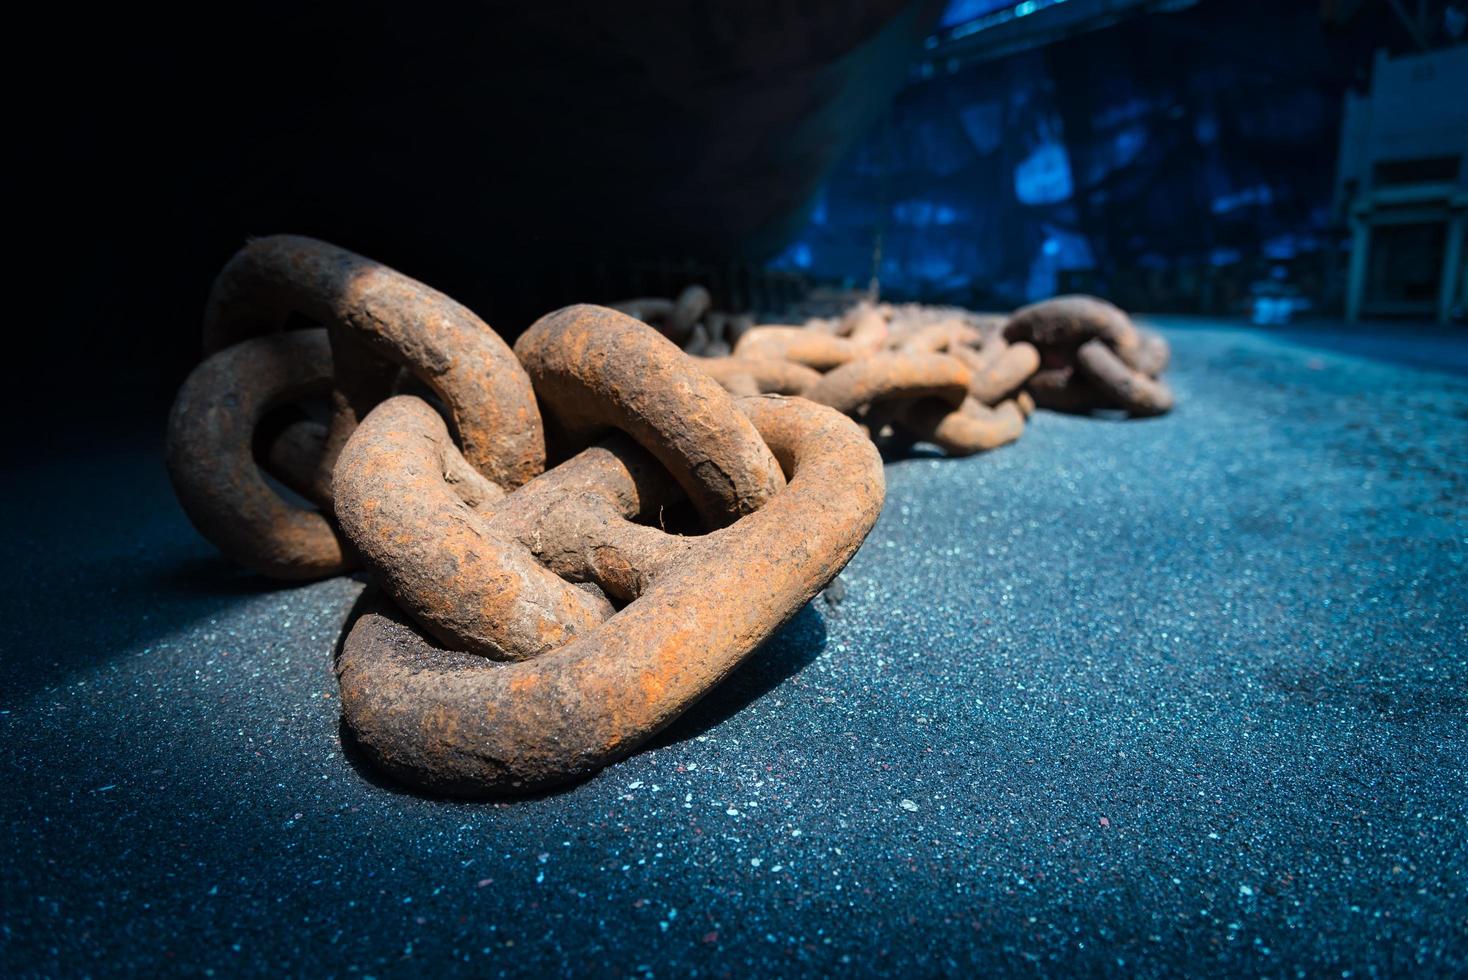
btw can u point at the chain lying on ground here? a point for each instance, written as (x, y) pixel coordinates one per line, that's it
(530, 624)
(963, 381)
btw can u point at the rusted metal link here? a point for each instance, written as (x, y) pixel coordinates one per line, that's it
(945, 336)
(451, 722)
(826, 325)
(999, 370)
(1152, 354)
(211, 460)
(379, 321)
(596, 369)
(1107, 384)
(1066, 390)
(858, 334)
(1132, 390)
(427, 539)
(892, 377)
(865, 326)
(926, 396)
(1066, 322)
(973, 428)
(688, 309)
(759, 375)
(1092, 358)
(977, 378)
(820, 351)
(690, 321)
(292, 448)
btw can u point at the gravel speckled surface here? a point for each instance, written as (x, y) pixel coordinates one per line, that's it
(1140, 698)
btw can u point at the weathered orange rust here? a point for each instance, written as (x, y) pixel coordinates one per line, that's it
(999, 370)
(596, 370)
(379, 321)
(759, 375)
(865, 326)
(450, 722)
(944, 336)
(566, 628)
(812, 348)
(973, 428)
(1066, 322)
(892, 377)
(211, 461)
(926, 396)
(420, 516)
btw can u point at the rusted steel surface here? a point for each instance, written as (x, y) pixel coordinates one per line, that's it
(211, 460)
(1092, 357)
(449, 722)
(892, 377)
(596, 369)
(419, 515)
(973, 428)
(821, 351)
(1014, 363)
(935, 338)
(759, 375)
(381, 321)
(998, 370)
(529, 625)
(1069, 321)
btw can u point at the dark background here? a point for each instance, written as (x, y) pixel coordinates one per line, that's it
(516, 156)
(520, 157)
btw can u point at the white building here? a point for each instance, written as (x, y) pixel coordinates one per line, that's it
(1402, 183)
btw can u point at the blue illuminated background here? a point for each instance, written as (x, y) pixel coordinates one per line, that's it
(1168, 161)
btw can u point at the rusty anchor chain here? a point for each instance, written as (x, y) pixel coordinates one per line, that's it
(377, 322)
(965, 382)
(527, 625)
(1092, 357)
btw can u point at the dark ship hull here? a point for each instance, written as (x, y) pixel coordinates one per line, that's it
(670, 128)
(518, 156)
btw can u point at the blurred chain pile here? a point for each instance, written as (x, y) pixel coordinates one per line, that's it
(963, 381)
(572, 541)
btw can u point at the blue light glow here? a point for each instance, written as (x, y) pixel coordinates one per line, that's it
(1043, 177)
(962, 11)
(964, 18)
(1258, 195)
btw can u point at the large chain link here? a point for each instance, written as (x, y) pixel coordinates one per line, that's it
(527, 625)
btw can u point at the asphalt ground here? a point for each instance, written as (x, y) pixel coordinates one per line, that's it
(1187, 695)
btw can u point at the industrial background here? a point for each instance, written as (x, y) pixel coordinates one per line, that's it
(1241, 158)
